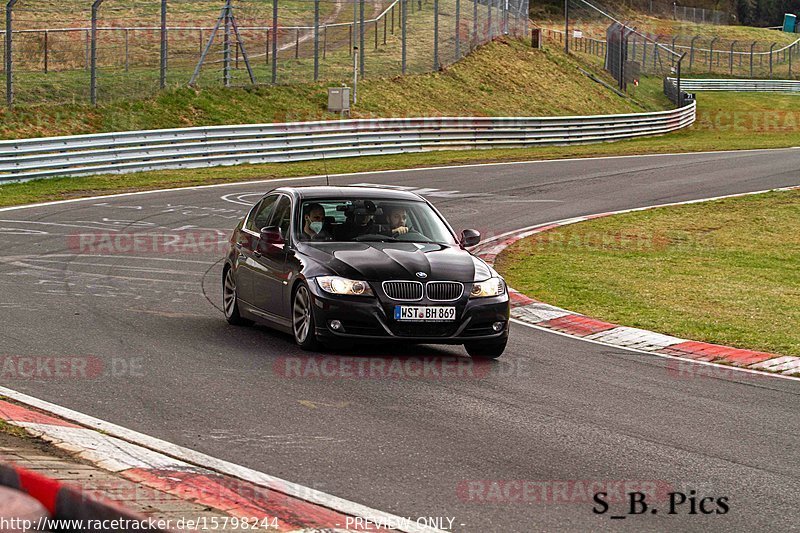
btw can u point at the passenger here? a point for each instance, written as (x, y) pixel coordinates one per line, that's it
(313, 221)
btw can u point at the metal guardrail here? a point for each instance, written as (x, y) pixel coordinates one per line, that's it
(742, 85)
(137, 151)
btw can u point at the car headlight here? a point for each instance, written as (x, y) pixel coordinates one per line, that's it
(344, 286)
(490, 287)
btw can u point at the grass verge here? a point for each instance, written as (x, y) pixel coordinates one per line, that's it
(722, 271)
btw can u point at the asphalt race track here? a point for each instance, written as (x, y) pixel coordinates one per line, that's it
(154, 354)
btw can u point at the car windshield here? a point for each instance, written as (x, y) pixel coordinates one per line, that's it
(361, 220)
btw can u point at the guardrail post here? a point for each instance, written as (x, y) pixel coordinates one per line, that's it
(752, 47)
(9, 53)
(316, 40)
(770, 59)
(403, 19)
(274, 42)
(93, 68)
(163, 70)
(730, 59)
(435, 35)
(458, 27)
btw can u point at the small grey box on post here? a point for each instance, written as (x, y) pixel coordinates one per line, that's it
(339, 100)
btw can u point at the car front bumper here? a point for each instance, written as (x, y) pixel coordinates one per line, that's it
(371, 318)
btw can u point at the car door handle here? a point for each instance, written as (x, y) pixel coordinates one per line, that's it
(238, 246)
(256, 253)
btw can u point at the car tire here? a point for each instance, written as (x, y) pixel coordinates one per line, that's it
(303, 325)
(486, 349)
(230, 300)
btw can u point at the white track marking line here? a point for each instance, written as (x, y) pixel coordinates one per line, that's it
(218, 465)
(662, 355)
(418, 169)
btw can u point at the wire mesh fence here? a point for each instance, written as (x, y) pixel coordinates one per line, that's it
(82, 51)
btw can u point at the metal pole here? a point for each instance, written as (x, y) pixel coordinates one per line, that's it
(355, 75)
(163, 73)
(45, 50)
(385, 27)
(316, 40)
(9, 55)
(752, 46)
(392, 21)
(297, 43)
(505, 17)
(87, 46)
(274, 41)
(678, 85)
(691, 51)
(435, 35)
(790, 62)
(127, 51)
(733, 44)
(226, 46)
(770, 59)
(361, 38)
(325, 42)
(458, 28)
(403, 18)
(474, 24)
(711, 54)
(489, 18)
(376, 34)
(266, 48)
(93, 76)
(566, 27)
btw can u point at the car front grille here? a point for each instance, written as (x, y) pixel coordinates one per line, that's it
(444, 291)
(407, 291)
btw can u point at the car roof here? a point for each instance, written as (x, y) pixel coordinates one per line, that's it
(370, 193)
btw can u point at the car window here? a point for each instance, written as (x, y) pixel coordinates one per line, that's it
(358, 220)
(282, 215)
(261, 213)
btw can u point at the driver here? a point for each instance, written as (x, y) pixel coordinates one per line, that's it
(398, 220)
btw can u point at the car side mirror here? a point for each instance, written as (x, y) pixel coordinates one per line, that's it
(470, 237)
(270, 235)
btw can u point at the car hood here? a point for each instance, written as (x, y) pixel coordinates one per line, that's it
(381, 261)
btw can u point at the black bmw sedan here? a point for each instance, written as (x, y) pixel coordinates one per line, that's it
(333, 264)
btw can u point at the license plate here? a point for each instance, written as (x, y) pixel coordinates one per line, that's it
(413, 313)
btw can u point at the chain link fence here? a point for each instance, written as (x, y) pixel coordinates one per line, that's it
(77, 51)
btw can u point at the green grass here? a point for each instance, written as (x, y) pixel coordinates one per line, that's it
(502, 78)
(722, 272)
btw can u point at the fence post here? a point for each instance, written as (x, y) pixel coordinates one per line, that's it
(474, 24)
(325, 41)
(385, 25)
(691, 51)
(316, 40)
(711, 54)
(361, 49)
(46, 39)
(458, 29)
(733, 44)
(376, 34)
(566, 26)
(226, 46)
(403, 18)
(266, 48)
(392, 20)
(770, 59)
(274, 41)
(93, 76)
(752, 46)
(435, 35)
(489, 18)
(790, 62)
(87, 46)
(297, 43)
(128, 53)
(163, 73)
(9, 55)
(672, 57)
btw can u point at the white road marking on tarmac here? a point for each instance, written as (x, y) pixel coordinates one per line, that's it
(178, 454)
(422, 169)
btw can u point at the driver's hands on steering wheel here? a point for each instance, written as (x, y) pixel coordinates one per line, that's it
(401, 230)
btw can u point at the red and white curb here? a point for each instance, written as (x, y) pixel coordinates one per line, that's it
(193, 476)
(530, 311)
